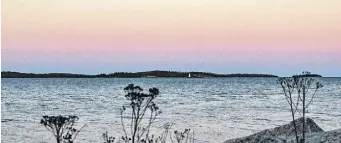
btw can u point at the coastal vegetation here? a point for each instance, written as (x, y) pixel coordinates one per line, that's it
(296, 92)
(299, 91)
(140, 112)
(62, 127)
(140, 106)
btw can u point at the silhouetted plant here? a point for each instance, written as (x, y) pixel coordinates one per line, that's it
(296, 90)
(61, 127)
(143, 113)
(288, 86)
(163, 138)
(181, 137)
(140, 104)
(108, 139)
(175, 136)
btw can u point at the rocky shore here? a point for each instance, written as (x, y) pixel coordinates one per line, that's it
(286, 134)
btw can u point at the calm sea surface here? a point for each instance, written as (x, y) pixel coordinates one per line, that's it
(216, 109)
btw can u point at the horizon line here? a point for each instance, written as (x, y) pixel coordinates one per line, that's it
(154, 70)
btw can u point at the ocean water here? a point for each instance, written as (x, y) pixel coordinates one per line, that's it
(216, 109)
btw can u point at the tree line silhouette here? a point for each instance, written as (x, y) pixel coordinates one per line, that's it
(147, 74)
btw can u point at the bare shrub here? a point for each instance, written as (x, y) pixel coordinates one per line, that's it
(299, 91)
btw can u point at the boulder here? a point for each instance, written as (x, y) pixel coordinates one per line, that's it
(279, 134)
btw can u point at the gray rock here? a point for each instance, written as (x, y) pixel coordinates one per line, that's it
(324, 137)
(279, 134)
(319, 137)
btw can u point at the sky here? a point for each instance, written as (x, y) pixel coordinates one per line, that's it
(282, 37)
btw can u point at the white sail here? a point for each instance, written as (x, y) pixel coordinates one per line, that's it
(189, 75)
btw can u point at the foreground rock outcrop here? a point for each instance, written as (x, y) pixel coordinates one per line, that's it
(324, 137)
(286, 134)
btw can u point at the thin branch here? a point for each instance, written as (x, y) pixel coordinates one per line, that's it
(77, 133)
(311, 99)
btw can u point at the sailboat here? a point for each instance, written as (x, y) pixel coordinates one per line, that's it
(189, 75)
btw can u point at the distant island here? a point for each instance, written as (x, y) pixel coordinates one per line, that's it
(147, 74)
(307, 74)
